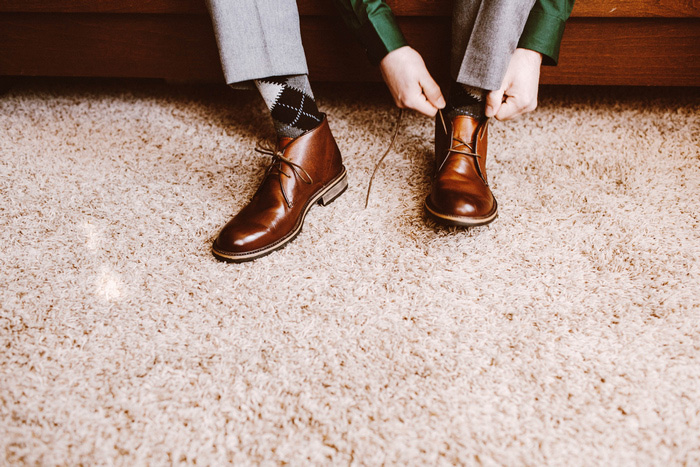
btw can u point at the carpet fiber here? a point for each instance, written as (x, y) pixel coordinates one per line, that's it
(565, 333)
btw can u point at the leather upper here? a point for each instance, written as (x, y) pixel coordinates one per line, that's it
(460, 187)
(280, 202)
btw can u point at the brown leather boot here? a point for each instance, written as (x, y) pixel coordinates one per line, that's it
(460, 193)
(305, 170)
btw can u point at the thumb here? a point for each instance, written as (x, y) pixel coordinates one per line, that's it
(494, 99)
(432, 92)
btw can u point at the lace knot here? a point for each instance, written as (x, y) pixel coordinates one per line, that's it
(277, 160)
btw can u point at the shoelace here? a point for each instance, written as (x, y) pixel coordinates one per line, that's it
(277, 160)
(471, 152)
(381, 159)
(470, 146)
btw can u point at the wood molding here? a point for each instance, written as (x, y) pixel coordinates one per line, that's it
(644, 52)
(583, 8)
(623, 51)
(104, 6)
(178, 47)
(637, 8)
(615, 51)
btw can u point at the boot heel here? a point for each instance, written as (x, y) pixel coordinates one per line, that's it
(335, 191)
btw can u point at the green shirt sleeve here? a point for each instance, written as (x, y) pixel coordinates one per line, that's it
(374, 25)
(545, 27)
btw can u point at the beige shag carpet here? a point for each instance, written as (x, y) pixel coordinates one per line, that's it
(565, 333)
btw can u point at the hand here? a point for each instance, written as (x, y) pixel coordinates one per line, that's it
(409, 82)
(520, 85)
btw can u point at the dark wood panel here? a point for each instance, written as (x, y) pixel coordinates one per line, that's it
(103, 6)
(583, 8)
(637, 8)
(399, 7)
(140, 46)
(608, 52)
(334, 55)
(628, 52)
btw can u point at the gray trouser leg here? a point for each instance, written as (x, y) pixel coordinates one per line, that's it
(484, 35)
(258, 38)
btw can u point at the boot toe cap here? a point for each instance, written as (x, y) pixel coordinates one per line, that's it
(235, 238)
(457, 203)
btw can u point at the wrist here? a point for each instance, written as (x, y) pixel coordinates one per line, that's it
(531, 56)
(394, 54)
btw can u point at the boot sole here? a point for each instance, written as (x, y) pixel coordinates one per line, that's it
(324, 197)
(461, 221)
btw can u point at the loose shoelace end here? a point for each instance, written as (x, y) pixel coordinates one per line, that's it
(391, 144)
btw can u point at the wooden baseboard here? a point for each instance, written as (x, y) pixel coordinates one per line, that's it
(614, 51)
(605, 51)
(582, 8)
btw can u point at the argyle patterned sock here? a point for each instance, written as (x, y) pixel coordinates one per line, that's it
(466, 100)
(291, 104)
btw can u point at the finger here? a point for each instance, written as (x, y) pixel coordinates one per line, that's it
(415, 99)
(421, 104)
(494, 100)
(399, 102)
(511, 108)
(425, 107)
(432, 92)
